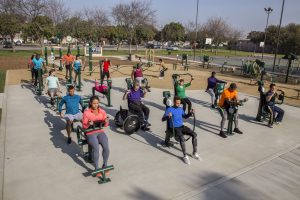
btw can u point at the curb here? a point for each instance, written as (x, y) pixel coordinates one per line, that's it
(2, 137)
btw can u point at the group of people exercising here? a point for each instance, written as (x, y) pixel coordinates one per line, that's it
(174, 114)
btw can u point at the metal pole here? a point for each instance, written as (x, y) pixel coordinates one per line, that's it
(90, 58)
(196, 30)
(268, 10)
(278, 35)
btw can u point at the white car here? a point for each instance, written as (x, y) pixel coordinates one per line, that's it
(172, 48)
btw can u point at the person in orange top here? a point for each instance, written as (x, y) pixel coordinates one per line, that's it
(227, 96)
(93, 115)
(68, 61)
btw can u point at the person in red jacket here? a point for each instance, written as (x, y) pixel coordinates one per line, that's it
(93, 115)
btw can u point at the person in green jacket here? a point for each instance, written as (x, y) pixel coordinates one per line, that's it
(180, 92)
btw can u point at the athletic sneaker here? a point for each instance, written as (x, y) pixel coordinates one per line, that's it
(186, 160)
(236, 130)
(196, 156)
(69, 140)
(148, 124)
(145, 128)
(278, 123)
(222, 134)
(270, 125)
(213, 106)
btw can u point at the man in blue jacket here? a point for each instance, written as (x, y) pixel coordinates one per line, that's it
(72, 102)
(174, 115)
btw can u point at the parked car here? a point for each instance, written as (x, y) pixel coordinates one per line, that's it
(18, 43)
(7, 45)
(172, 48)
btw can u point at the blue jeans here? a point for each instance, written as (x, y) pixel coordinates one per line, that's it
(278, 113)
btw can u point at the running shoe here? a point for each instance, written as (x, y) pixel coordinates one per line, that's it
(236, 130)
(196, 156)
(69, 140)
(186, 160)
(222, 134)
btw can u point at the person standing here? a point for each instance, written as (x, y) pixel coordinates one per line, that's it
(105, 70)
(68, 61)
(38, 64)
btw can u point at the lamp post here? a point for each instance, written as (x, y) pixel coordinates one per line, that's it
(268, 11)
(278, 35)
(196, 30)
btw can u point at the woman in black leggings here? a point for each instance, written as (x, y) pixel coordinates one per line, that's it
(91, 115)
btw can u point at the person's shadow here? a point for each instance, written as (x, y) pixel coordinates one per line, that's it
(56, 126)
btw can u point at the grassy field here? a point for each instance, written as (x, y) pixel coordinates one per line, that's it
(158, 52)
(2, 80)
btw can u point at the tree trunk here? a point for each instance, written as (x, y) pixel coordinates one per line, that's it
(12, 42)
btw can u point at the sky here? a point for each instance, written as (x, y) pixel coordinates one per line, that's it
(244, 15)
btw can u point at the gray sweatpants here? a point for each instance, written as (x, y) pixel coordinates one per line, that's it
(94, 140)
(211, 92)
(224, 116)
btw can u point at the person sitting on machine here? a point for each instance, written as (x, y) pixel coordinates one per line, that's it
(211, 86)
(276, 112)
(105, 70)
(72, 102)
(162, 69)
(135, 105)
(174, 115)
(180, 92)
(77, 66)
(38, 64)
(52, 86)
(95, 116)
(229, 95)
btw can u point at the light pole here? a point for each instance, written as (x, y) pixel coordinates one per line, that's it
(278, 35)
(196, 30)
(268, 11)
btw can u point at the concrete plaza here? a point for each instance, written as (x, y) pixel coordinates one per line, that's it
(262, 163)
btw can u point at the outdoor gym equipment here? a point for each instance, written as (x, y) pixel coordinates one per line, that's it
(53, 57)
(232, 110)
(218, 91)
(206, 59)
(150, 54)
(145, 84)
(103, 89)
(127, 120)
(82, 141)
(79, 83)
(170, 132)
(176, 78)
(40, 85)
(184, 62)
(263, 112)
(290, 57)
(253, 69)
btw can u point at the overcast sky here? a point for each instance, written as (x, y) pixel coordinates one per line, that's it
(245, 15)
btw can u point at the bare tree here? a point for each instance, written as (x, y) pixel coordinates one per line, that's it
(97, 15)
(57, 11)
(132, 15)
(31, 8)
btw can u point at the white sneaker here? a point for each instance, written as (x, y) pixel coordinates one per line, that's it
(186, 160)
(196, 156)
(278, 123)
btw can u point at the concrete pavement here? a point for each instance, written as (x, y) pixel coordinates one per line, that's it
(40, 165)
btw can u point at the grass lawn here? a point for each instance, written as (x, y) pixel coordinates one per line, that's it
(158, 52)
(2, 80)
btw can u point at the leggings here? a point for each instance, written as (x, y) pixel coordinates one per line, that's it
(180, 132)
(224, 114)
(185, 101)
(94, 140)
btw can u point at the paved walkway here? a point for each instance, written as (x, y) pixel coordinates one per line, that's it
(263, 163)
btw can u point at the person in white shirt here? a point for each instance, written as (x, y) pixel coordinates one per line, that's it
(52, 86)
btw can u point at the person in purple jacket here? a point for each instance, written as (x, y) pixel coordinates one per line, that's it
(211, 85)
(134, 97)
